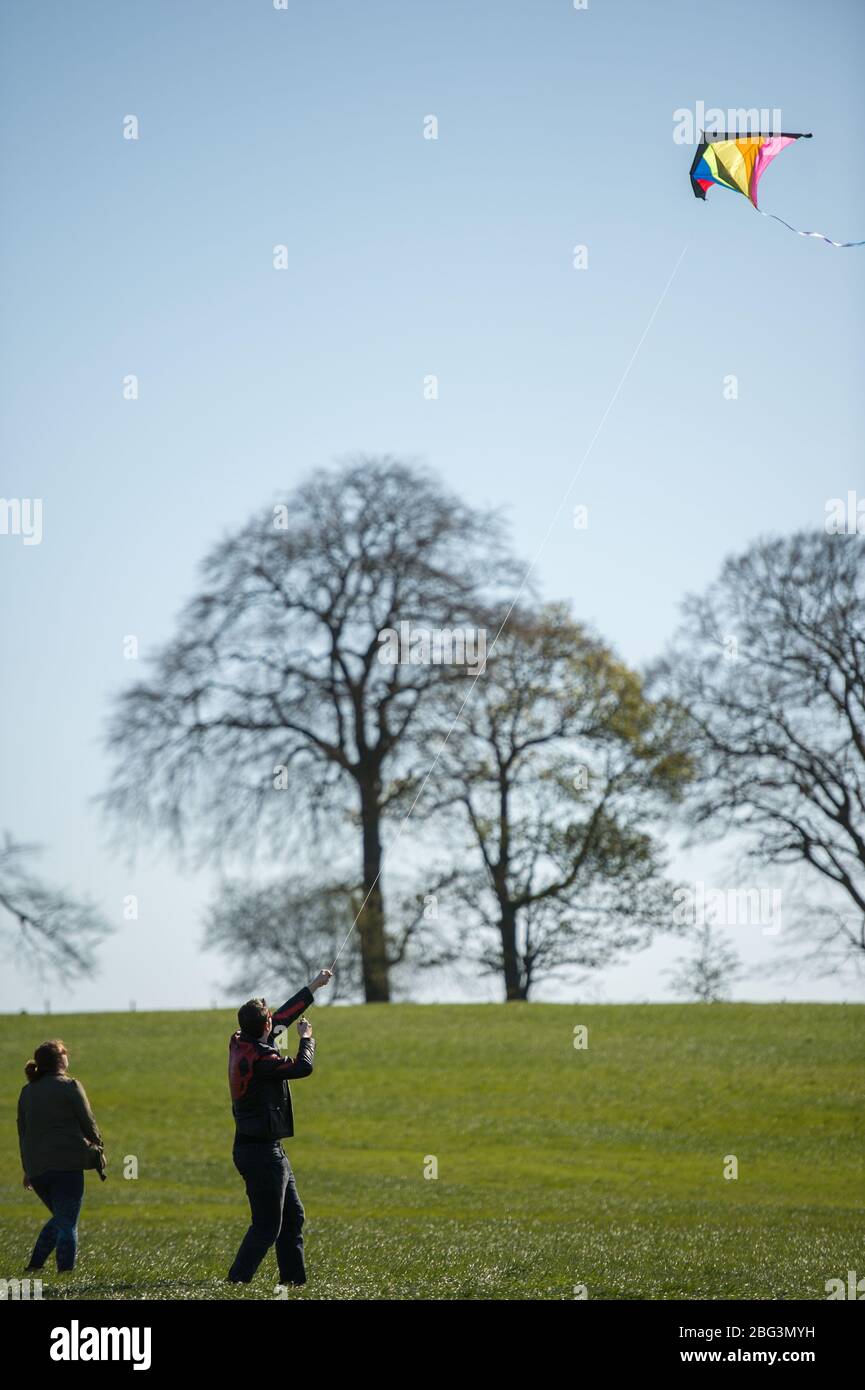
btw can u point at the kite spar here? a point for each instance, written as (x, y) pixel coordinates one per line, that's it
(738, 162)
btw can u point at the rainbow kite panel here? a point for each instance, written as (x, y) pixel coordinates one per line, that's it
(738, 163)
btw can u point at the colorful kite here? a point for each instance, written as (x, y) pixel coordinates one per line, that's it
(739, 162)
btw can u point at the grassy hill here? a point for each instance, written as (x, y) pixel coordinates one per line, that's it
(556, 1167)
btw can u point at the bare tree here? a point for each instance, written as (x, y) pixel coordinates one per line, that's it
(770, 664)
(709, 974)
(557, 767)
(276, 932)
(272, 705)
(56, 932)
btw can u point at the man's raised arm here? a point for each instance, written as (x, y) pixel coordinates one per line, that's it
(294, 1007)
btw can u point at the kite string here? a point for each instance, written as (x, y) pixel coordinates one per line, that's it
(515, 599)
(841, 244)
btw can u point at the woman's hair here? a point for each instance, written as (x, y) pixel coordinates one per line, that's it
(46, 1060)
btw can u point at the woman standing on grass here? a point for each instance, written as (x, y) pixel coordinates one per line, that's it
(59, 1139)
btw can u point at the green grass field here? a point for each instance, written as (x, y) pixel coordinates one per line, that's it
(556, 1167)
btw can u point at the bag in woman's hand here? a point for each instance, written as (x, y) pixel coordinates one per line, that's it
(96, 1159)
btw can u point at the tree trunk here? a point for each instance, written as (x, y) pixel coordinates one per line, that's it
(370, 925)
(508, 929)
(508, 918)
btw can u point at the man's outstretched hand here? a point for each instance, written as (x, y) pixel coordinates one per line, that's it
(323, 978)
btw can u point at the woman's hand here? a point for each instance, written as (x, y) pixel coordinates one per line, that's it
(323, 978)
(304, 1028)
(27, 1183)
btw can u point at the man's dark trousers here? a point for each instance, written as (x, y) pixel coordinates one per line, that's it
(277, 1213)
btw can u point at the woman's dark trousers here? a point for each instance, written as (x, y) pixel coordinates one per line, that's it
(62, 1194)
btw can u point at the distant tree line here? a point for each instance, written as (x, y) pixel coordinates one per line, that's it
(435, 766)
(526, 793)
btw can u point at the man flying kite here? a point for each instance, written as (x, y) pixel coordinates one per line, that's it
(258, 1078)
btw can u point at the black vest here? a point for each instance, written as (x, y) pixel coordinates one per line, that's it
(265, 1111)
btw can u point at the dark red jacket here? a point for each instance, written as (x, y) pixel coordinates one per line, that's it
(258, 1077)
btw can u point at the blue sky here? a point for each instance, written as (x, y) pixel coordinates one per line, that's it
(406, 257)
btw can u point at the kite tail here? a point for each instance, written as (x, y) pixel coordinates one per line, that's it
(827, 239)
